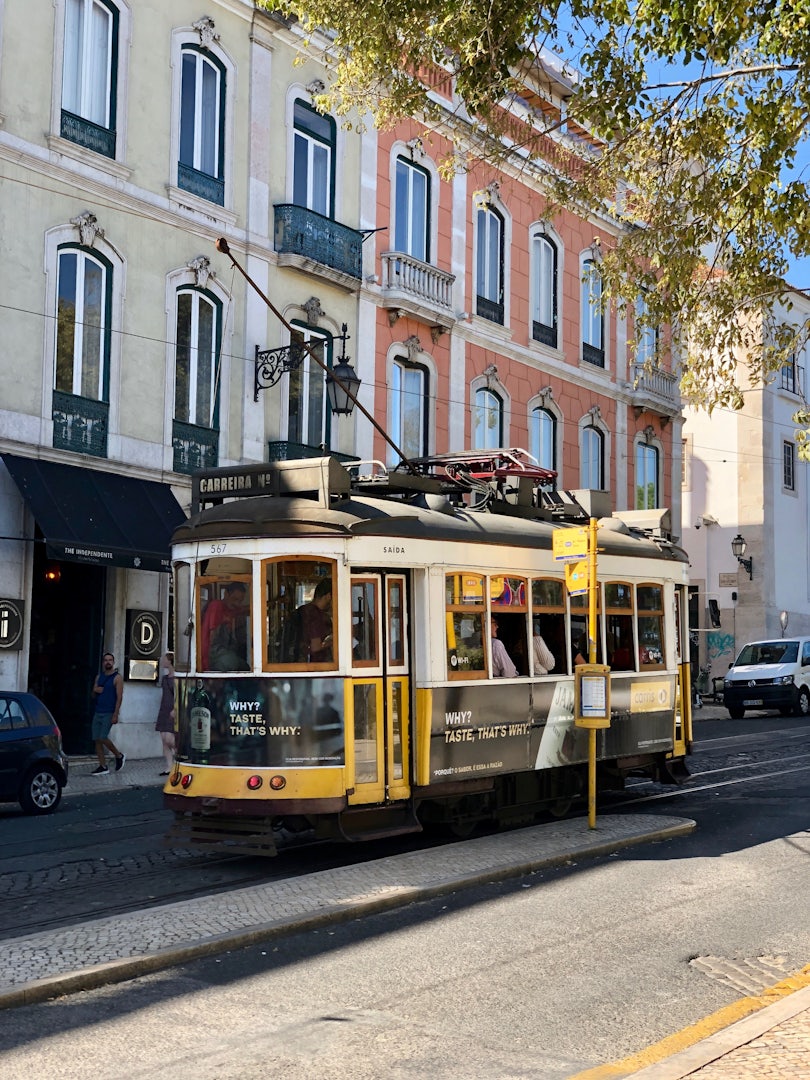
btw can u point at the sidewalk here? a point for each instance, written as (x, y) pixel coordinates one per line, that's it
(141, 772)
(756, 1039)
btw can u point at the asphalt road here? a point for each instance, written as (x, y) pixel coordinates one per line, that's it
(541, 978)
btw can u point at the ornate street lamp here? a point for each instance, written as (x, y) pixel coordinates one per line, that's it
(342, 382)
(738, 550)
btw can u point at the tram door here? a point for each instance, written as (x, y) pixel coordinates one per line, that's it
(380, 702)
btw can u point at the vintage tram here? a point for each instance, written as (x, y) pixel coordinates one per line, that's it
(334, 650)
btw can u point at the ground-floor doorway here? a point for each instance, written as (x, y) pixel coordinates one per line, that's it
(67, 627)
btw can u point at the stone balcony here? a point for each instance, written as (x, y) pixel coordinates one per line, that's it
(412, 287)
(654, 390)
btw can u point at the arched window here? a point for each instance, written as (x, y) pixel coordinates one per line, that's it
(196, 358)
(489, 264)
(543, 437)
(84, 284)
(412, 210)
(646, 476)
(487, 429)
(89, 75)
(544, 300)
(593, 319)
(313, 159)
(201, 165)
(592, 458)
(409, 397)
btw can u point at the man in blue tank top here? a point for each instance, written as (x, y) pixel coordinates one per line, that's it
(109, 690)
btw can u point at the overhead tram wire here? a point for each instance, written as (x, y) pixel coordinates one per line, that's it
(309, 349)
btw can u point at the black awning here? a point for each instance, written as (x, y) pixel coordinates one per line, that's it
(98, 517)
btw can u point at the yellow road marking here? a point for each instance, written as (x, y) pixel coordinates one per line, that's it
(709, 1025)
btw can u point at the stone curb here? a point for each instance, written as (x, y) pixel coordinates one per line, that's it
(122, 970)
(685, 1062)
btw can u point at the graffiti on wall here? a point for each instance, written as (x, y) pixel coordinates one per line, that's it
(719, 647)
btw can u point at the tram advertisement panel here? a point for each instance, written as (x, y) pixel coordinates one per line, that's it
(269, 722)
(480, 729)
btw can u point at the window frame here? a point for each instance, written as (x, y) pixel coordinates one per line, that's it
(405, 230)
(478, 609)
(545, 287)
(400, 364)
(480, 411)
(84, 255)
(305, 374)
(651, 613)
(301, 110)
(592, 317)
(536, 441)
(302, 666)
(489, 263)
(202, 56)
(75, 125)
(585, 470)
(788, 465)
(199, 295)
(647, 455)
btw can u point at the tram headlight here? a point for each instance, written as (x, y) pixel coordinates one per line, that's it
(277, 783)
(254, 783)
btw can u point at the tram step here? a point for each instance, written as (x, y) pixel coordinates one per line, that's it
(376, 823)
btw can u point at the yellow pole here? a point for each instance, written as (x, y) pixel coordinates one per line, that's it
(592, 594)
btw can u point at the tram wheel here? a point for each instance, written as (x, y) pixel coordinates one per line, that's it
(560, 807)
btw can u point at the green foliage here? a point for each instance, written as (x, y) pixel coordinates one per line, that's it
(697, 109)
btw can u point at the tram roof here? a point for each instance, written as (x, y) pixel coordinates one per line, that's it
(422, 515)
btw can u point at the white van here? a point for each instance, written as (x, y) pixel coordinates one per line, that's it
(770, 675)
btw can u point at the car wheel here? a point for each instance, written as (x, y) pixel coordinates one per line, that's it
(803, 703)
(41, 791)
(736, 712)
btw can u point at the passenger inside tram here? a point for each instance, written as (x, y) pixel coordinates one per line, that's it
(314, 625)
(224, 630)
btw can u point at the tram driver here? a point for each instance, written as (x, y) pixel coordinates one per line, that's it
(315, 625)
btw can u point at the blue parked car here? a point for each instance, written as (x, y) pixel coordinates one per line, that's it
(33, 766)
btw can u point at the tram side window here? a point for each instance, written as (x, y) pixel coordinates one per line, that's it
(508, 602)
(619, 625)
(465, 612)
(224, 633)
(548, 626)
(365, 650)
(650, 626)
(579, 628)
(183, 619)
(299, 620)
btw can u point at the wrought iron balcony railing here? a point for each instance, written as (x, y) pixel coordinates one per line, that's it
(80, 424)
(293, 451)
(194, 447)
(299, 231)
(87, 134)
(210, 188)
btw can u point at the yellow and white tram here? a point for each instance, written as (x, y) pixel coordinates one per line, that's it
(334, 653)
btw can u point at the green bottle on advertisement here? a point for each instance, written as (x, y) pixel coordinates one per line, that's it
(200, 717)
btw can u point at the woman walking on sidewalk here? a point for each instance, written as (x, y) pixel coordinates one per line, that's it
(165, 717)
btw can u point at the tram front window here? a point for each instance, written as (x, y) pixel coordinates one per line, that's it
(301, 626)
(224, 629)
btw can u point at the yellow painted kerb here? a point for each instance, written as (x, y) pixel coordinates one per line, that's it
(709, 1025)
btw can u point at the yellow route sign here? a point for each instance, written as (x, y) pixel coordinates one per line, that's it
(570, 544)
(577, 578)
